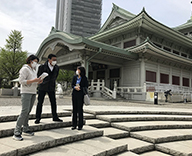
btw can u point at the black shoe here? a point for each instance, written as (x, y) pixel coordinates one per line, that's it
(37, 121)
(73, 128)
(28, 133)
(79, 128)
(58, 120)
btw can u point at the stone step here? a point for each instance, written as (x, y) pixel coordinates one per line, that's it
(100, 146)
(137, 146)
(45, 139)
(106, 110)
(161, 136)
(128, 153)
(114, 133)
(13, 117)
(7, 128)
(97, 123)
(143, 117)
(154, 153)
(89, 116)
(152, 125)
(176, 148)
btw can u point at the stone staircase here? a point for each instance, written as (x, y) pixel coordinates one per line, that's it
(122, 131)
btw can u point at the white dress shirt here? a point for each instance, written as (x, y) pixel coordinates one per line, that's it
(50, 66)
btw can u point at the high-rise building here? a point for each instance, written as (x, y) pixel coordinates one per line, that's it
(79, 17)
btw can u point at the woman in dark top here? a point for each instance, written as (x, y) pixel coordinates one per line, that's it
(79, 85)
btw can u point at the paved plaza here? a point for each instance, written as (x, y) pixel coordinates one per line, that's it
(111, 128)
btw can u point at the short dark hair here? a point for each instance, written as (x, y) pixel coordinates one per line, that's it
(83, 71)
(51, 55)
(31, 58)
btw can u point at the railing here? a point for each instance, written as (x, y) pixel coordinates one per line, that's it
(123, 90)
(100, 87)
(154, 87)
(109, 93)
(129, 89)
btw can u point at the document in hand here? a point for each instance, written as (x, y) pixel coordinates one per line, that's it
(42, 76)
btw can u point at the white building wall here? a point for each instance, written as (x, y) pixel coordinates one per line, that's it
(131, 74)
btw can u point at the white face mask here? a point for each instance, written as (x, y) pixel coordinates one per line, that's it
(54, 63)
(77, 72)
(34, 65)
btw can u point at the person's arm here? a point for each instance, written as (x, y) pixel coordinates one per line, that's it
(23, 77)
(84, 83)
(87, 83)
(57, 72)
(34, 80)
(73, 83)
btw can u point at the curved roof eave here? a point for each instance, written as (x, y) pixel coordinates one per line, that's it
(60, 35)
(147, 44)
(186, 25)
(111, 48)
(141, 16)
(77, 40)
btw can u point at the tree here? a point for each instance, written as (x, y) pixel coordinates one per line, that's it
(65, 76)
(12, 57)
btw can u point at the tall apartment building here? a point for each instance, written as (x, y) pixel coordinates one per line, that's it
(79, 17)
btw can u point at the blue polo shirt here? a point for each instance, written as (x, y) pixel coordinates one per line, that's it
(78, 81)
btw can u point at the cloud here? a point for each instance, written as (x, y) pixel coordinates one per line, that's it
(34, 18)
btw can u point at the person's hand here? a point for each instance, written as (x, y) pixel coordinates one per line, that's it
(77, 88)
(40, 81)
(37, 79)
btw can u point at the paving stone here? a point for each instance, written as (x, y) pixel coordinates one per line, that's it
(152, 125)
(177, 148)
(97, 123)
(154, 153)
(7, 150)
(100, 146)
(47, 139)
(114, 133)
(61, 150)
(143, 117)
(160, 136)
(137, 146)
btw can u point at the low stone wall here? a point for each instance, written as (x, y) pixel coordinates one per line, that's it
(10, 92)
(139, 96)
(176, 97)
(6, 92)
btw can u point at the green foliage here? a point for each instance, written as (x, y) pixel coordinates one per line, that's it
(65, 75)
(12, 57)
(14, 41)
(11, 63)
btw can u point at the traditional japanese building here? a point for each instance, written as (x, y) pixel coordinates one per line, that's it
(131, 55)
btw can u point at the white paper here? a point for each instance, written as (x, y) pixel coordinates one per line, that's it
(43, 75)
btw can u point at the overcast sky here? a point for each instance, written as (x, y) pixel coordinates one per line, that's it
(34, 18)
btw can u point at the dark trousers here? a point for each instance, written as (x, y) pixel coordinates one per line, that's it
(77, 100)
(41, 96)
